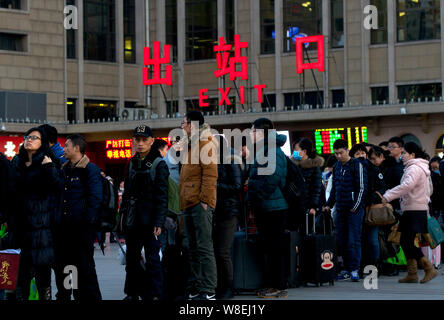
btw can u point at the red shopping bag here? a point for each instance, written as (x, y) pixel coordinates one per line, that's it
(9, 264)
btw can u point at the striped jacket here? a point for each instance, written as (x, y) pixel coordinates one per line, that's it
(349, 186)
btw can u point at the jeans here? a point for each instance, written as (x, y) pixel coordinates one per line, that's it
(199, 228)
(271, 229)
(223, 240)
(370, 244)
(348, 232)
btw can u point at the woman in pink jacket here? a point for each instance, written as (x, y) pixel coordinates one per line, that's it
(414, 191)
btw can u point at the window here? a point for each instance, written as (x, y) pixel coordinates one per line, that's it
(338, 97)
(267, 26)
(229, 21)
(194, 105)
(337, 23)
(312, 98)
(11, 4)
(100, 30)
(131, 104)
(301, 16)
(418, 20)
(411, 138)
(201, 29)
(171, 25)
(380, 94)
(99, 110)
(419, 91)
(269, 102)
(71, 37)
(172, 108)
(71, 106)
(12, 42)
(129, 26)
(379, 36)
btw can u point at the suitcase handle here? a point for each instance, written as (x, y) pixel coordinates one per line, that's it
(306, 222)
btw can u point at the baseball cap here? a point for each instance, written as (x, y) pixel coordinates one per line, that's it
(143, 131)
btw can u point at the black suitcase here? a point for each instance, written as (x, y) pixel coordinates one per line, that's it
(318, 257)
(293, 241)
(247, 263)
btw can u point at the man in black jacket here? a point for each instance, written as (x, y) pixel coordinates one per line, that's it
(78, 224)
(394, 174)
(145, 200)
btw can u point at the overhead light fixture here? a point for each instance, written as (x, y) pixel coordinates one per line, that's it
(306, 4)
(401, 14)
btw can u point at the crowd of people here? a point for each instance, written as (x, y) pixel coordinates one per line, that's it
(56, 203)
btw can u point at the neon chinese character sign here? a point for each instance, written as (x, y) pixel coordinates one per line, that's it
(156, 62)
(300, 65)
(119, 149)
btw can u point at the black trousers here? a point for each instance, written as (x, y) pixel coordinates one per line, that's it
(223, 235)
(42, 277)
(75, 248)
(146, 283)
(271, 229)
(408, 246)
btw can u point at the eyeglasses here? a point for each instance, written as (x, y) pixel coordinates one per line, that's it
(32, 138)
(392, 147)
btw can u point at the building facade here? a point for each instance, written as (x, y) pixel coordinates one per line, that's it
(89, 79)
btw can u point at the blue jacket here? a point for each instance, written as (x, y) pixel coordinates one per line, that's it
(82, 195)
(349, 186)
(265, 191)
(58, 152)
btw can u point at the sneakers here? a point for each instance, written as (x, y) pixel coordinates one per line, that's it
(202, 296)
(343, 275)
(271, 293)
(355, 276)
(193, 296)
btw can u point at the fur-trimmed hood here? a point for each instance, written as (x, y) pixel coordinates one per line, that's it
(310, 163)
(81, 164)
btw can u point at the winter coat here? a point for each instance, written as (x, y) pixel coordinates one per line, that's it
(311, 170)
(173, 167)
(392, 171)
(415, 187)
(265, 191)
(349, 186)
(38, 199)
(198, 182)
(437, 197)
(5, 188)
(82, 196)
(229, 188)
(375, 183)
(58, 152)
(150, 197)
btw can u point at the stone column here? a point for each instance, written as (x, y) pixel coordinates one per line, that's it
(80, 112)
(391, 38)
(161, 37)
(120, 55)
(181, 47)
(279, 27)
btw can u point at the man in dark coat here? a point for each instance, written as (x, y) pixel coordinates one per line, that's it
(78, 224)
(145, 199)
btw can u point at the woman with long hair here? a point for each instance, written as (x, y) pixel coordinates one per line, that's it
(414, 191)
(39, 181)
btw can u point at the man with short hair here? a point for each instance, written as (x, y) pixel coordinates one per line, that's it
(77, 226)
(348, 193)
(198, 195)
(56, 148)
(394, 174)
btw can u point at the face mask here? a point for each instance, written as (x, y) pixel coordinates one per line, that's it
(296, 155)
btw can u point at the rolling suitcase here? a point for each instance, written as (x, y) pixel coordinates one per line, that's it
(434, 255)
(318, 257)
(293, 241)
(247, 263)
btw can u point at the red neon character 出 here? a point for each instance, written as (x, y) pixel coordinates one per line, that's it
(157, 61)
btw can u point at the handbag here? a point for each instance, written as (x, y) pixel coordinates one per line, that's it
(395, 235)
(433, 238)
(380, 214)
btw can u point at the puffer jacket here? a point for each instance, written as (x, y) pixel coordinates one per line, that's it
(265, 191)
(349, 186)
(82, 196)
(311, 170)
(198, 181)
(151, 197)
(38, 199)
(415, 188)
(375, 183)
(229, 188)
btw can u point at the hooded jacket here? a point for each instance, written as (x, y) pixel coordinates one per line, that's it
(265, 191)
(375, 183)
(198, 182)
(415, 187)
(311, 170)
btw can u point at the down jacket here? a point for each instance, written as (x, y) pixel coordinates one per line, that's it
(311, 170)
(38, 200)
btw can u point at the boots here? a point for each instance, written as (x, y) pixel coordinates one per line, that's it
(429, 269)
(412, 269)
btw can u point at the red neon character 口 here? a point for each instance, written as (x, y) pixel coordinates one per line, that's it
(156, 62)
(227, 65)
(300, 65)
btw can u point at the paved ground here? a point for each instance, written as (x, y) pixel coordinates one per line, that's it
(112, 278)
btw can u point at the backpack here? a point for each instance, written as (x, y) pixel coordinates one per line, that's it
(173, 190)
